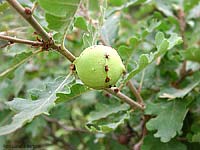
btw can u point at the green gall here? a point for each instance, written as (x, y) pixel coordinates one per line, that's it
(99, 66)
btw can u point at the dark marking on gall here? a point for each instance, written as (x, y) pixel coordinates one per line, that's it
(106, 56)
(124, 72)
(72, 67)
(106, 68)
(107, 79)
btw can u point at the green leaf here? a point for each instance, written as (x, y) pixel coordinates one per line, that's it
(59, 14)
(18, 80)
(106, 125)
(27, 109)
(125, 53)
(12, 87)
(6, 89)
(57, 23)
(172, 93)
(103, 110)
(81, 23)
(36, 127)
(99, 120)
(16, 62)
(162, 46)
(165, 7)
(74, 91)
(169, 118)
(194, 12)
(192, 54)
(174, 40)
(151, 143)
(159, 38)
(59, 8)
(110, 28)
(194, 135)
(125, 5)
(2, 142)
(153, 25)
(3, 6)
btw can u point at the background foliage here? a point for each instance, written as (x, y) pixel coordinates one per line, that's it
(43, 105)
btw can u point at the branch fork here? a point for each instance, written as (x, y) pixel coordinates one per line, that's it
(47, 42)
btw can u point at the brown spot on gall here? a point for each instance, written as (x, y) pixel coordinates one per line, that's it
(124, 72)
(72, 67)
(107, 79)
(106, 56)
(106, 68)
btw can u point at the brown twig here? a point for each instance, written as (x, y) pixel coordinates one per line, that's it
(126, 99)
(26, 13)
(135, 92)
(182, 24)
(66, 128)
(143, 134)
(5, 45)
(23, 41)
(187, 73)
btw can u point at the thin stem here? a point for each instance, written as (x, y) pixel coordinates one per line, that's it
(182, 24)
(145, 119)
(126, 99)
(66, 128)
(65, 52)
(5, 45)
(34, 7)
(135, 92)
(141, 81)
(23, 41)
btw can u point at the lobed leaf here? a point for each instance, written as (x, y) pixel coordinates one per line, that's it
(99, 120)
(169, 118)
(125, 5)
(81, 23)
(172, 93)
(16, 62)
(126, 52)
(60, 14)
(192, 54)
(110, 28)
(162, 45)
(152, 143)
(27, 109)
(75, 90)
(105, 125)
